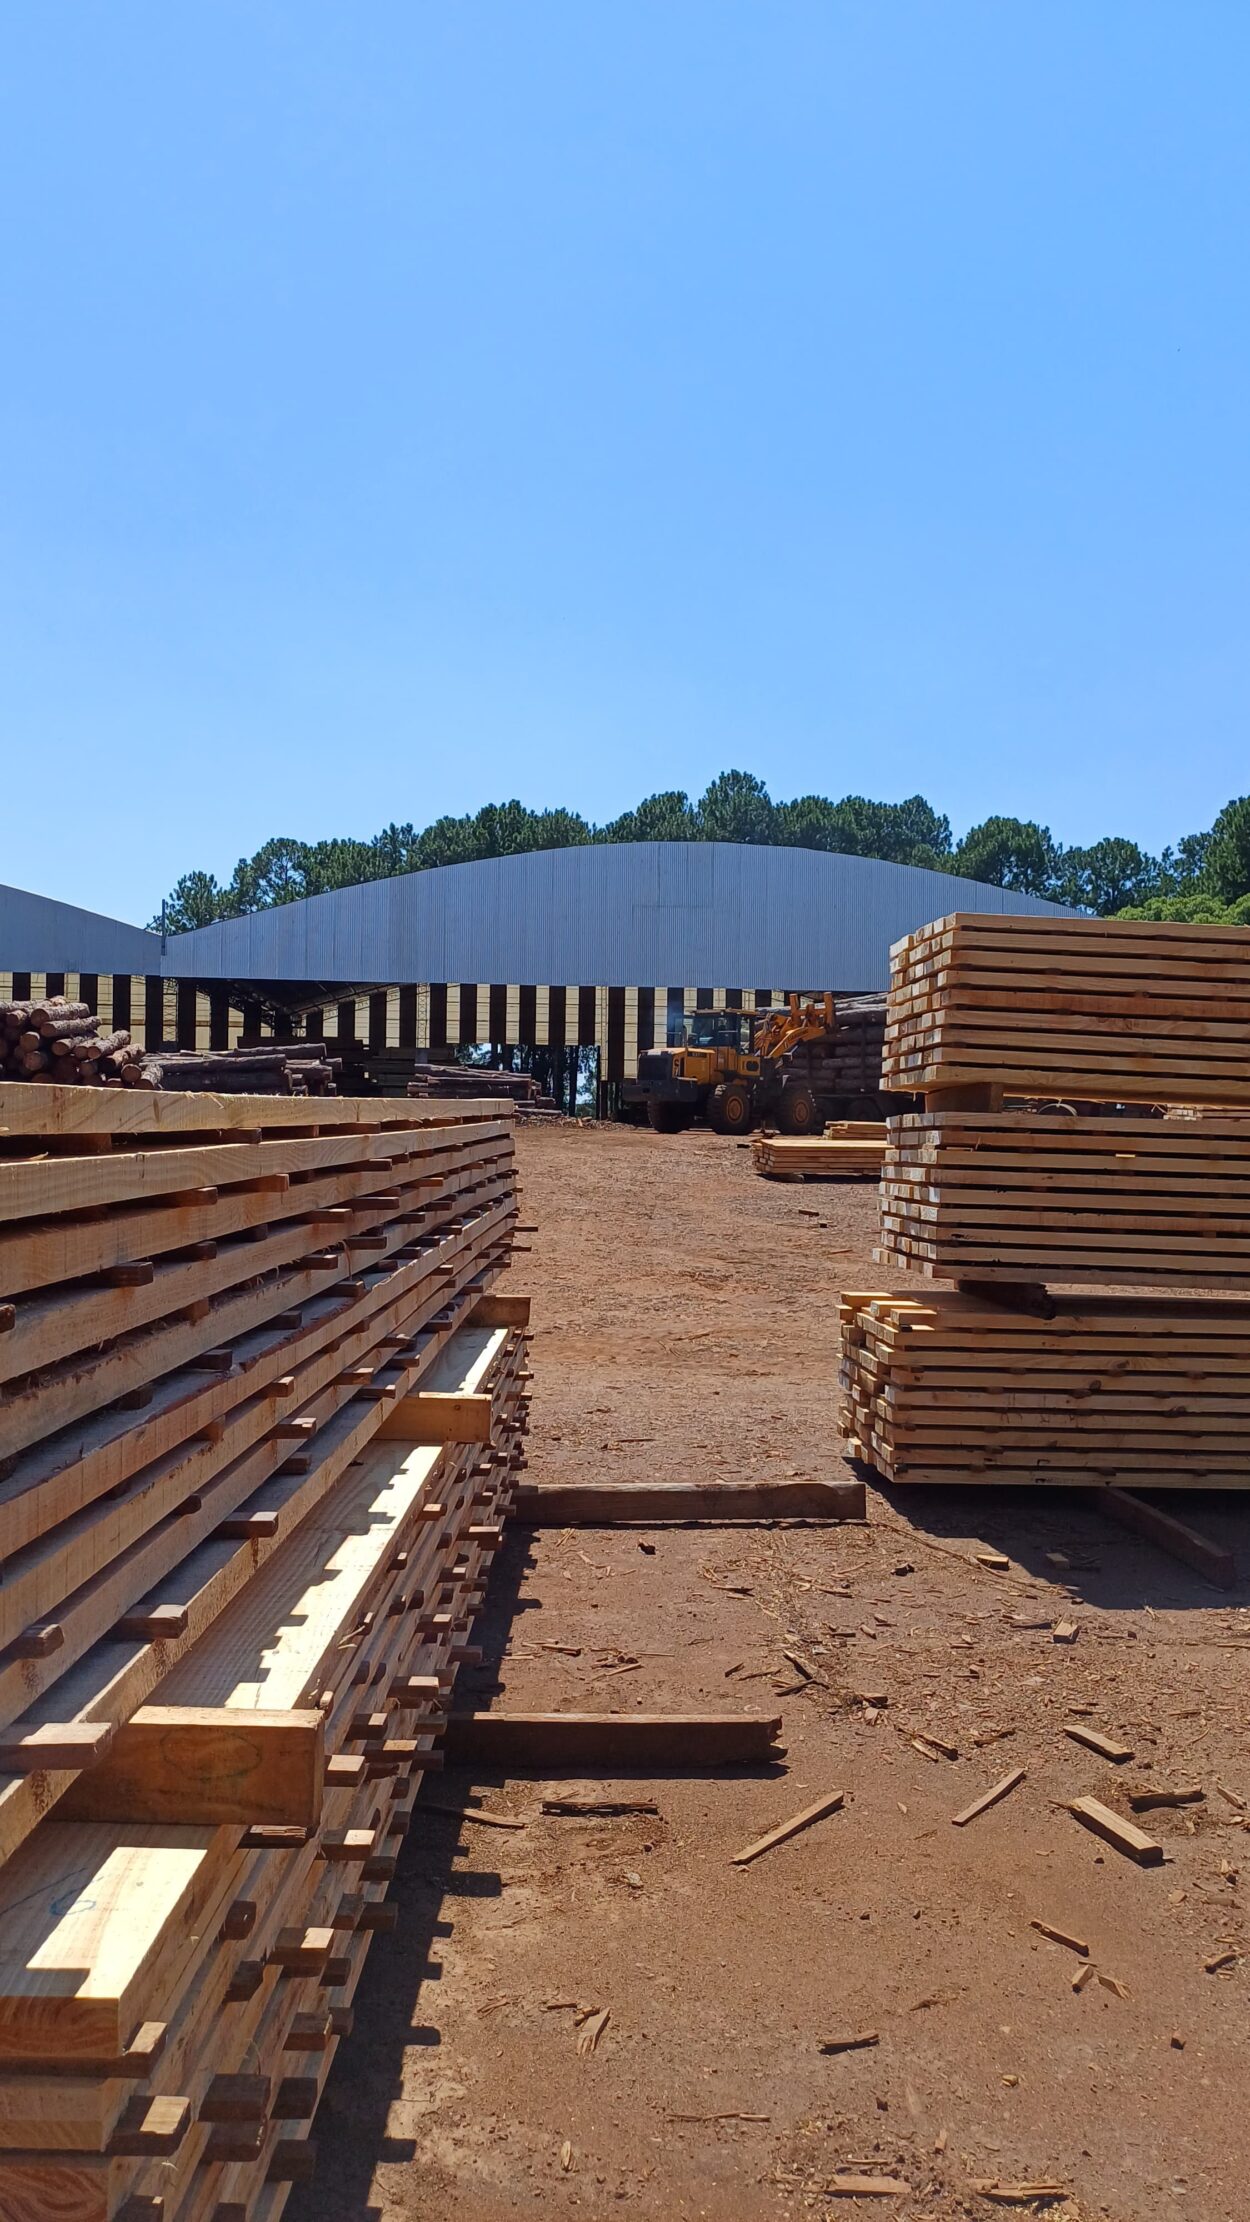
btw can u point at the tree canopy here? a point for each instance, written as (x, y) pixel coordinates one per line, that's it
(1205, 876)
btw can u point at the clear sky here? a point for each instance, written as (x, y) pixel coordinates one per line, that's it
(408, 405)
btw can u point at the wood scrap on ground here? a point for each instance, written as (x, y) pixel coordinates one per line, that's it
(832, 1802)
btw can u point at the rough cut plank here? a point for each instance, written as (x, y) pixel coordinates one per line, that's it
(595, 1743)
(1122, 1835)
(684, 1504)
(500, 1308)
(202, 1766)
(32, 1108)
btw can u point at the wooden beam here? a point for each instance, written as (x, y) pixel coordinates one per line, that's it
(595, 1743)
(683, 1503)
(1174, 1536)
(437, 1416)
(207, 1766)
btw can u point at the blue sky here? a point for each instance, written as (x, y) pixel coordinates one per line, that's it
(407, 406)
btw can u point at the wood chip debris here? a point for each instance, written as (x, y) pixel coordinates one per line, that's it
(995, 1561)
(1065, 1631)
(1061, 1936)
(1000, 1789)
(1105, 1746)
(1084, 1975)
(933, 1746)
(596, 1809)
(860, 2043)
(592, 2027)
(1019, 2194)
(866, 2187)
(830, 1803)
(1217, 1961)
(1146, 1800)
(566, 2156)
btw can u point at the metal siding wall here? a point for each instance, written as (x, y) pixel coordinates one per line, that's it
(612, 912)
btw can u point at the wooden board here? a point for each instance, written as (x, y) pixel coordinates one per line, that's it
(432, 1416)
(684, 1503)
(29, 1108)
(202, 1766)
(599, 1743)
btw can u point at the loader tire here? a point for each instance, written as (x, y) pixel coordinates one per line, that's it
(797, 1111)
(730, 1110)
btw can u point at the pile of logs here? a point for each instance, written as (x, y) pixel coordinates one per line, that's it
(57, 1040)
(262, 1413)
(261, 1069)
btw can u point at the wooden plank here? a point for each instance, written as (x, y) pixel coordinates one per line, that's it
(32, 1108)
(435, 1416)
(1122, 1835)
(832, 1802)
(596, 1743)
(202, 1766)
(684, 1504)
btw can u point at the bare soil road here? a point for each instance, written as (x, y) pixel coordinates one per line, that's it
(685, 1325)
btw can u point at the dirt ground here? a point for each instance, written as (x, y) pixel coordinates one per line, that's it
(685, 1325)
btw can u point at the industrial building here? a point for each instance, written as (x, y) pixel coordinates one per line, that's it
(602, 947)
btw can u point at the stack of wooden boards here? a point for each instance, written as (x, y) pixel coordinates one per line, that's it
(263, 1410)
(1003, 1380)
(60, 1040)
(519, 1088)
(1099, 1009)
(849, 1149)
(1013, 1195)
(1152, 1391)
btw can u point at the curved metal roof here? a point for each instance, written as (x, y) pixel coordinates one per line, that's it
(617, 913)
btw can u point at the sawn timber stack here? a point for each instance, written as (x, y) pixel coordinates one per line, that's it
(263, 1412)
(1099, 1009)
(1153, 1391)
(847, 1150)
(1019, 1196)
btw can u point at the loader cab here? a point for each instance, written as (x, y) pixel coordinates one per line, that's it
(716, 1045)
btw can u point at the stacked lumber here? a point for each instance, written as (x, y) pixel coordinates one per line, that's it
(520, 1088)
(847, 1061)
(1017, 1196)
(950, 1388)
(852, 1149)
(261, 1416)
(61, 1041)
(1102, 1009)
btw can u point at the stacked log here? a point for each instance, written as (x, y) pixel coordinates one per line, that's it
(264, 1068)
(61, 1041)
(263, 1411)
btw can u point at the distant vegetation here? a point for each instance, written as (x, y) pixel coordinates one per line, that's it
(1205, 878)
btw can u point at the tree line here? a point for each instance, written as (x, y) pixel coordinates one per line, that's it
(1205, 877)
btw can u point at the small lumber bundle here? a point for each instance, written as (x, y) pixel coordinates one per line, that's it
(1098, 1009)
(61, 1041)
(473, 1080)
(1142, 1392)
(851, 1151)
(263, 1414)
(1017, 1196)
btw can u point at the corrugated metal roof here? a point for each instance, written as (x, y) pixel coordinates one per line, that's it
(617, 914)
